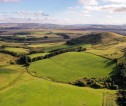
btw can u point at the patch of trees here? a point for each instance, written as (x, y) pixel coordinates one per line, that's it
(24, 60)
(96, 83)
(120, 77)
(46, 37)
(38, 58)
(58, 52)
(122, 97)
(65, 36)
(93, 38)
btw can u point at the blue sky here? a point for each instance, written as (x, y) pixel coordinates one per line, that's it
(63, 11)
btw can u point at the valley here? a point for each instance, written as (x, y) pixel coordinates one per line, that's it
(54, 73)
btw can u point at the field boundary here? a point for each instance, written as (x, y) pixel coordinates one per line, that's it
(99, 55)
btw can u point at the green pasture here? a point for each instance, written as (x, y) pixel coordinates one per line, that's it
(72, 66)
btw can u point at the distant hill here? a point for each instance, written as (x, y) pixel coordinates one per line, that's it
(58, 26)
(95, 38)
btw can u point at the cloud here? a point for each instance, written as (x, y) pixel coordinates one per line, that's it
(25, 13)
(116, 1)
(111, 6)
(108, 8)
(114, 8)
(25, 17)
(33, 20)
(9, 1)
(88, 2)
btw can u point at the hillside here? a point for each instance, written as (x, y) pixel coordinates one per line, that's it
(49, 81)
(69, 67)
(31, 91)
(96, 38)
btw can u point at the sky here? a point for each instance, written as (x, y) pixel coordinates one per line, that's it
(63, 11)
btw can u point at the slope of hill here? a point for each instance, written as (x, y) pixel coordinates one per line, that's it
(96, 38)
(69, 67)
(39, 92)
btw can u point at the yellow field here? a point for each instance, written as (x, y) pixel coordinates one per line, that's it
(111, 51)
(109, 99)
(46, 44)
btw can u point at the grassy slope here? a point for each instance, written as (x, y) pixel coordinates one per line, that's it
(5, 59)
(37, 54)
(110, 51)
(10, 43)
(109, 99)
(9, 74)
(46, 44)
(72, 66)
(17, 50)
(28, 91)
(38, 92)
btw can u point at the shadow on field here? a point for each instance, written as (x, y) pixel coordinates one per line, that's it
(6, 71)
(109, 63)
(114, 69)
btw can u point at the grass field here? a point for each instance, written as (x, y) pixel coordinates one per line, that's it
(50, 46)
(48, 85)
(18, 50)
(44, 33)
(37, 54)
(46, 44)
(18, 88)
(11, 44)
(38, 92)
(9, 74)
(72, 66)
(5, 59)
(110, 51)
(109, 100)
(39, 32)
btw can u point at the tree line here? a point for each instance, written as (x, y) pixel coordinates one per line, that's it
(26, 60)
(58, 52)
(96, 83)
(10, 53)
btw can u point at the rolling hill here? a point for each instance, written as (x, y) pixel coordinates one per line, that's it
(38, 92)
(71, 66)
(96, 38)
